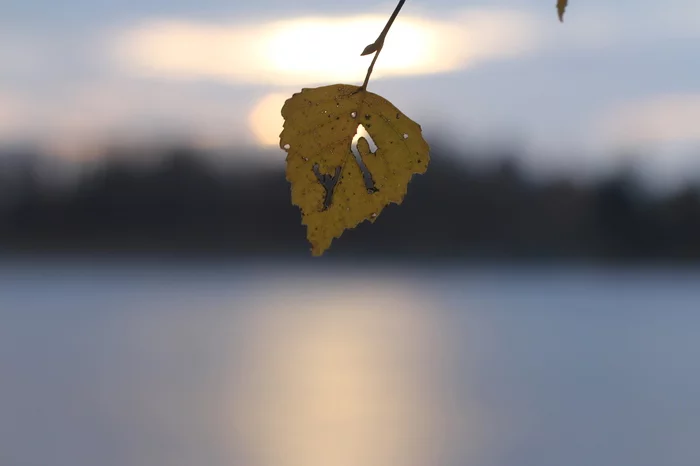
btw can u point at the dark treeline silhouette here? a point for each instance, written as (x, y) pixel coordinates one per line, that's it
(187, 204)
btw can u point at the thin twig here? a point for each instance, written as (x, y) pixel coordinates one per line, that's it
(370, 69)
(378, 44)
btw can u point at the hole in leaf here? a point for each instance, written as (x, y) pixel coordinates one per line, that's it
(405, 136)
(353, 114)
(362, 133)
(366, 175)
(328, 182)
(287, 147)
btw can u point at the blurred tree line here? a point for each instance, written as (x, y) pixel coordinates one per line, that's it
(185, 204)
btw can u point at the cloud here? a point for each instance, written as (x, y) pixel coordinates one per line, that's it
(660, 135)
(624, 26)
(661, 119)
(79, 121)
(321, 49)
(22, 53)
(9, 115)
(309, 50)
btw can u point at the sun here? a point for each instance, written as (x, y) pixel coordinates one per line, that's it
(324, 49)
(265, 119)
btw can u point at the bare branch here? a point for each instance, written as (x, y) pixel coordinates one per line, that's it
(377, 45)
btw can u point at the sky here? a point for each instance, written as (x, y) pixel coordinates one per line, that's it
(617, 82)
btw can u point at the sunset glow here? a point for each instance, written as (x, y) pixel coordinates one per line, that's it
(265, 119)
(333, 382)
(319, 49)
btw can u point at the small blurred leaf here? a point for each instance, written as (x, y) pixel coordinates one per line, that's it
(371, 48)
(334, 190)
(561, 8)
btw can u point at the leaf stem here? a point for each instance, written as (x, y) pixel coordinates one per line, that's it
(378, 44)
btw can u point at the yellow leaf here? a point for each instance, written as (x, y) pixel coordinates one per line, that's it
(337, 178)
(561, 8)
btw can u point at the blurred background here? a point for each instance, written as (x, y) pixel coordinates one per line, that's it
(533, 301)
